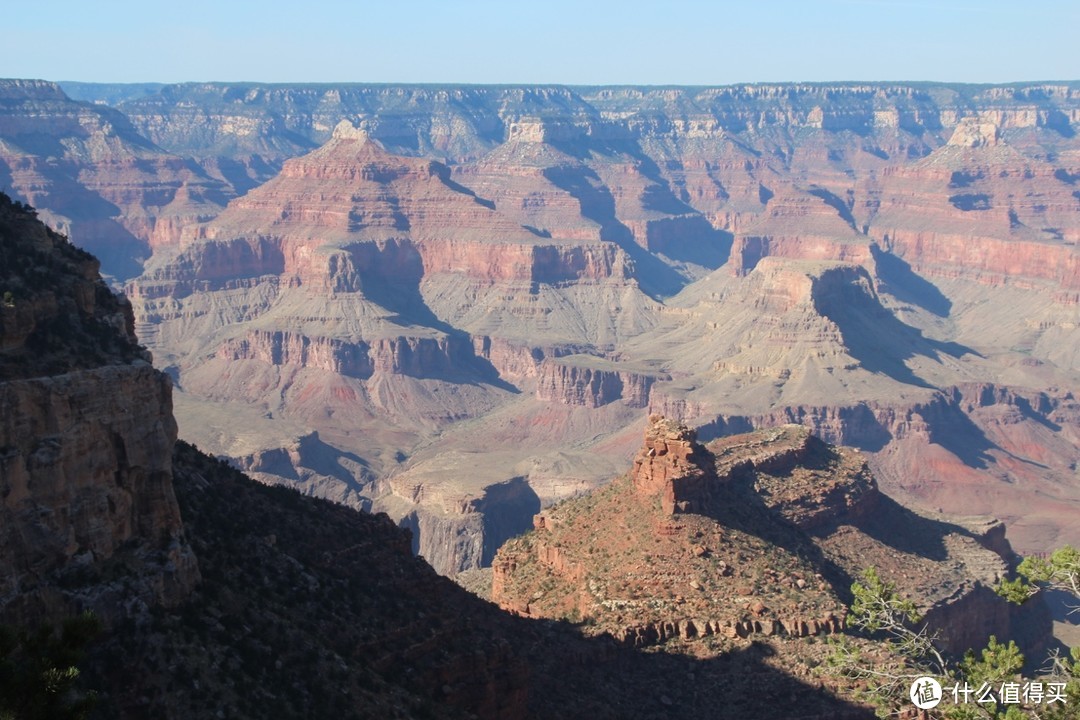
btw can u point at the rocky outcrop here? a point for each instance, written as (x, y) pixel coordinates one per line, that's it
(533, 262)
(723, 571)
(691, 629)
(420, 357)
(672, 465)
(748, 250)
(795, 479)
(511, 360)
(87, 483)
(88, 512)
(675, 570)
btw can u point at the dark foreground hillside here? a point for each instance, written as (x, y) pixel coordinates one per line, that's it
(309, 609)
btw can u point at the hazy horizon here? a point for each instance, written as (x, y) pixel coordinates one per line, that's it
(481, 42)
(341, 83)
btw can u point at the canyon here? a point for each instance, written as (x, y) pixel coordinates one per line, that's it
(457, 304)
(215, 595)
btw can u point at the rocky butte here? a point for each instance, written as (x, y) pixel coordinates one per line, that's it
(756, 535)
(456, 305)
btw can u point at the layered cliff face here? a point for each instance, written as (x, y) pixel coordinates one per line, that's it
(86, 472)
(458, 270)
(980, 208)
(247, 118)
(588, 381)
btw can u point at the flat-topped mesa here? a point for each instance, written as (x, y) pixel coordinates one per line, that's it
(673, 465)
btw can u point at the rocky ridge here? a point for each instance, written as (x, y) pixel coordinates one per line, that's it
(755, 534)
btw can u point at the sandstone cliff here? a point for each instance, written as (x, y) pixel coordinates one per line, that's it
(591, 382)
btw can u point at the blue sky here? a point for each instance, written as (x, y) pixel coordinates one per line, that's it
(686, 42)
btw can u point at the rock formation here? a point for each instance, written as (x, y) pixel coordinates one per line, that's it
(87, 434)
(753, 534)
(672, 465)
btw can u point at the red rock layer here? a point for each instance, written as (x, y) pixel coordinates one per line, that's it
(673, 465)
(351, 210)
(749, 250)
(286, 348)
(979, 209)
(800, 226)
